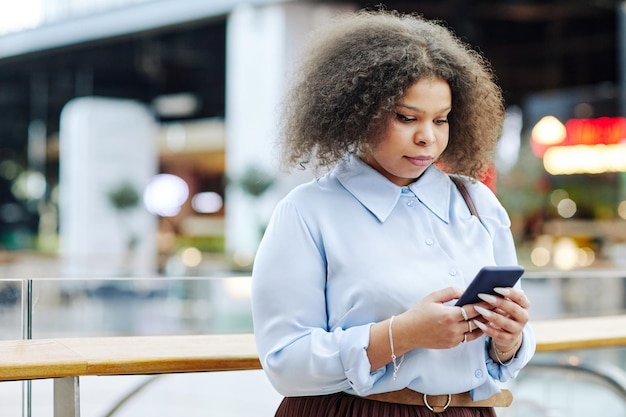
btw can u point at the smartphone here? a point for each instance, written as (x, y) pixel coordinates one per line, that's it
(488, 278)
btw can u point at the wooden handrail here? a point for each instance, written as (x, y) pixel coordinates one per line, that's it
(580, 333)
(66, 360)
(56, 358)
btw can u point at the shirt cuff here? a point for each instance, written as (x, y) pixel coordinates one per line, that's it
(356, 364)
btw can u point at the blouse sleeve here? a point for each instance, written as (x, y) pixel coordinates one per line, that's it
(298, 352)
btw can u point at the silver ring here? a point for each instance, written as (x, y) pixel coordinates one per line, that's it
(431, 408)
(464, 338)
(464, 314)
(469, 324)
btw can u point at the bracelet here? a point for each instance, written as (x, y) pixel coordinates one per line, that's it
(396, 365)
(507, 353)
(499, 353)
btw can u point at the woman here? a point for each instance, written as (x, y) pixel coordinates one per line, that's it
(355, 280)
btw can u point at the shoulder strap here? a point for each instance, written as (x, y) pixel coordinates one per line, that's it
(466, 196)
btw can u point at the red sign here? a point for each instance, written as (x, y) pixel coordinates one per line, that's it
(600, 131)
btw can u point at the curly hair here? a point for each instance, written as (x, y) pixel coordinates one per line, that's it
(356, 70)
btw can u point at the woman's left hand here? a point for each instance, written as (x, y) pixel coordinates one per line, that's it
(503, 319)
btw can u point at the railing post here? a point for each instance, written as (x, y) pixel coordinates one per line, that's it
(27, 334)
(66, 397)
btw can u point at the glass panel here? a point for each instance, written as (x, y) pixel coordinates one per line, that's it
(11, 329)
(135, 307)
(559, 294)
(141, 307)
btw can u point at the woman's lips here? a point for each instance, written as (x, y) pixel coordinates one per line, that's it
(420, 161)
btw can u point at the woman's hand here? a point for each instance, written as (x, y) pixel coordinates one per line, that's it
(431, 324)
(428, 324)
(503, 319)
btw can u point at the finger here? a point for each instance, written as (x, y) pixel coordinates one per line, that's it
(517, 296)
(505, 307)
(499, 336)
(499, 321)
(464, 314)
(476, 332)
(444, 295)
(471, 313)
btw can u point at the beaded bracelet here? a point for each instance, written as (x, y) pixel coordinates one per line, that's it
(396, 365)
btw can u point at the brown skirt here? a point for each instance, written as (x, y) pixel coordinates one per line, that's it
(346, 405)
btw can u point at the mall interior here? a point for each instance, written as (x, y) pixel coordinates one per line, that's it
(207, 80)
(138, 169)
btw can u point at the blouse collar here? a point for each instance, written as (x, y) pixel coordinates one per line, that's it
(380, 196)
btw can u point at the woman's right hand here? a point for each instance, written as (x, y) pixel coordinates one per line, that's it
(429, 324)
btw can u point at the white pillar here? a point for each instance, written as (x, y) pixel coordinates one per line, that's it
(262, 44)
(105, 144)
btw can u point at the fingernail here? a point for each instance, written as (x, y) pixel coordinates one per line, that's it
(480, 325)
(488, 298)
(483, 311)
(502, 291)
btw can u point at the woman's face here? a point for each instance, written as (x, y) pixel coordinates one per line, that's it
(416, 135)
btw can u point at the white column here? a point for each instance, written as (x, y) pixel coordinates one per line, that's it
(262, 44)
(106, 144)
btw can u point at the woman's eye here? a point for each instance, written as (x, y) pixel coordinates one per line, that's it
(441, 121)
(404, 118)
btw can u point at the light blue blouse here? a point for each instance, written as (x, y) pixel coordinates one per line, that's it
(350, 249)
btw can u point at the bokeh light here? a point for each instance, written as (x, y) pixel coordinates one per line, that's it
(540, 256)
(621, 210)
(29, 185)
(191, 257)
(549, 131)
(207, 202)
(566, 208)
(565, 253)
(165, 195)
(557, 195)
(586, 257)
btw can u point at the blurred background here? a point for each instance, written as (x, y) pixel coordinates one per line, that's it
(138, 167)
(136, 135)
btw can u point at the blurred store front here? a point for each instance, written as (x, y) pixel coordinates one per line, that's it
(577, 150)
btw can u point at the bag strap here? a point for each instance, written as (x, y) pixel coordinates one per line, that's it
(466, 195)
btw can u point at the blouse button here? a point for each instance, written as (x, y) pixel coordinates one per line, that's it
(410, 203)
(478, 373)
(452, 272)
(430, 242)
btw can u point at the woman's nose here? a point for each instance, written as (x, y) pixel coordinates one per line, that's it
(425, 135)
